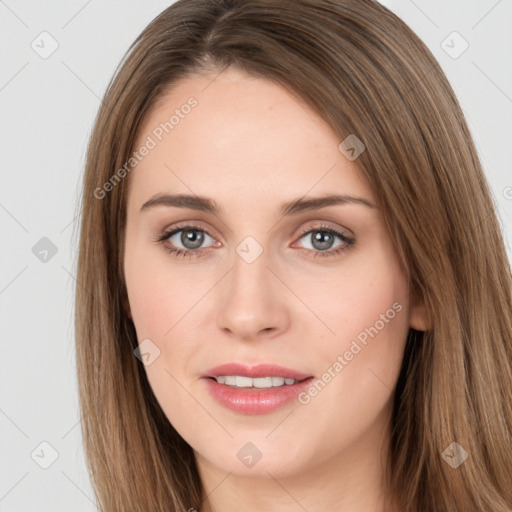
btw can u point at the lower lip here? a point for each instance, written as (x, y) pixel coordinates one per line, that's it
(255, 401)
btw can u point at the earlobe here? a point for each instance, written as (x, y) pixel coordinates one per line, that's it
(418, 316)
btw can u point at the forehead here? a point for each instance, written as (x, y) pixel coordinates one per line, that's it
(235, 134)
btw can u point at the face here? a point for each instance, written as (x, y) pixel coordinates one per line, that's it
(315, 288)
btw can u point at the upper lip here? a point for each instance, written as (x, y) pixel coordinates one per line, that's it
(254, 371)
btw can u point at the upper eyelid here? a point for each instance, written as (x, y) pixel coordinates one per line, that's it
(195, 225)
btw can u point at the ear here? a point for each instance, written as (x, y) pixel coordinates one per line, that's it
(126, 307)
(418, 316)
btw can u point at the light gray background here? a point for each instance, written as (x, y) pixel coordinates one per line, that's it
(47, 110)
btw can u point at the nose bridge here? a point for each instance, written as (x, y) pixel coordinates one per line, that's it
(250, 275)
(251, 301)
(250, 250)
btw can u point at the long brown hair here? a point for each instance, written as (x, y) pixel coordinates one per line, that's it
(365, 73)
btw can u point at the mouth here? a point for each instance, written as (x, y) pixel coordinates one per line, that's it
(242, 371)
(244, 382)
(256, 389)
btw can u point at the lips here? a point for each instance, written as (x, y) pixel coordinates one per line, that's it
(251, 400)
(259, 370)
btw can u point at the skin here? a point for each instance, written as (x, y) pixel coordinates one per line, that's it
(251, 145)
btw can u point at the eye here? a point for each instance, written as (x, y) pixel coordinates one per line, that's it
(191, 238)
(322, 239)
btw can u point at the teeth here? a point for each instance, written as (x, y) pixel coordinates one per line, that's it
(243, 382)
(240, 381)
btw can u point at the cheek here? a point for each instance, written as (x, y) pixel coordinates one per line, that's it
(369, 293)
(161, 313)
(367, 308)
(164, 304)
(154, 301)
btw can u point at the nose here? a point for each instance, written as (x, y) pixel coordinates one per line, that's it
(253, 302)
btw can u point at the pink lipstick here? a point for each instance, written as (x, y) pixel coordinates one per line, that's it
(258, 389)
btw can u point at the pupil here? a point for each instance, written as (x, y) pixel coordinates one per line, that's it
(322, 240)
(192, 239)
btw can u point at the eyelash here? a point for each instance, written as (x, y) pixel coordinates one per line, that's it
(189, 253)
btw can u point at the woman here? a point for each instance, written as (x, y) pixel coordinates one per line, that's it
(294, 292)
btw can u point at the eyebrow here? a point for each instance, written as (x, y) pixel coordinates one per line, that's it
(205, 204)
